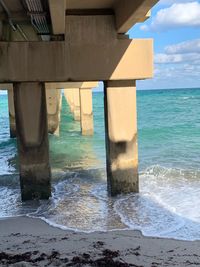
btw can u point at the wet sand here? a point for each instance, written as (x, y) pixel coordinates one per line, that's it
(32, 242)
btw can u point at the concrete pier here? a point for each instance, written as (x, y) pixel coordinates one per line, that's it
(54, 105)
(121, 136)
(69, 96)
(76, 97)
(11, 110)
(71, 47)
(87, 125)
(79, 98)
(32, 139)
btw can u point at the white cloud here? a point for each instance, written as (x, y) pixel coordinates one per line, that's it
(163, 58)
(173, 76)
(185, 71)
(185, 52)
(178, 66)
(170, 2)
(177, 15)
(192, 46)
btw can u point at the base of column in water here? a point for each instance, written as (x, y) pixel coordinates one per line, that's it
(123, 180)
(54, 124)
(87, 132)
(12, 127)
(121, 137)
(87, 126)
(35, 182)
(77, 116)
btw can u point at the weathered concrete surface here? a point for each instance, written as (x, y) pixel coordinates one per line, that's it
(54, 105)
(121, 137)
(87, 125)
(76, 98)
(32, 139)
(95, 42)
(57, 11)
(130, 12)
(127, 12)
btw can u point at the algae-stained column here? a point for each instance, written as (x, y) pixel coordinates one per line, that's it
(76, 98)
(54, 105)
(11, 110)
(32, 137)
(121, 136)
(87, 125)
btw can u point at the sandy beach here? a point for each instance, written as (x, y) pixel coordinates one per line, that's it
(32, 242)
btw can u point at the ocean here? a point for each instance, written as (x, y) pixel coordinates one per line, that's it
(169, 171)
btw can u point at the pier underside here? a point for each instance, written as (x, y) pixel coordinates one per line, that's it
(46, 46)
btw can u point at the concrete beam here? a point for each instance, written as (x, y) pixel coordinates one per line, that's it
(129, 12)
(128, 59)
(6, 86)
(57, 11)
(107, 58)
(70, 85)
(147, 16)
(121, 137)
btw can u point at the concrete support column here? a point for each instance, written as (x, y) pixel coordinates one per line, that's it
(11, 110)
(1, 30)
(69, 98)
(87, 125)
(76, 98)
(121, 136)
(32, 137)
(54, 105)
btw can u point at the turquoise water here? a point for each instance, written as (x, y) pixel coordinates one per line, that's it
(169, 166)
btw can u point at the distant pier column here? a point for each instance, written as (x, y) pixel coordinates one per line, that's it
(87, 125)
(121, 136)
(54, 105)
(11, 110)
(76, 97)
(32, 137)
(69, 96)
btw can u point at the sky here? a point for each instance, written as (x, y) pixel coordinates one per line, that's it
(175, 27)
